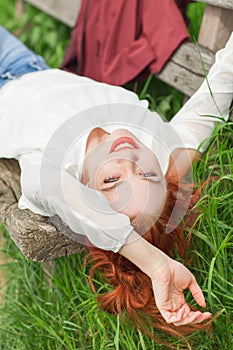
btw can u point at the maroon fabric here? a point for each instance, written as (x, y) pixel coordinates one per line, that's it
(114, 41)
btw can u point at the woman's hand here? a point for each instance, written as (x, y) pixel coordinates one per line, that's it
(169, 282)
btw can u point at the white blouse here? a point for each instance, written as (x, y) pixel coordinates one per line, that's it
(46, 116)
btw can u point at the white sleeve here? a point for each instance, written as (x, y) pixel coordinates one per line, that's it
(84, 210)
(196, 121)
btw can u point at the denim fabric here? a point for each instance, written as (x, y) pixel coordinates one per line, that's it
(16, 59)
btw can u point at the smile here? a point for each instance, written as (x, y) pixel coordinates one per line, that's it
(123, 143)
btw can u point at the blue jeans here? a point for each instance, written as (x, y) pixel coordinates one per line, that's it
(16, 59)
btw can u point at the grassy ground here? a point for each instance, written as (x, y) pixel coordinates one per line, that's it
(63, 314)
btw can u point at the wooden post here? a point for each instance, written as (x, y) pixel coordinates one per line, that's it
(217, 25)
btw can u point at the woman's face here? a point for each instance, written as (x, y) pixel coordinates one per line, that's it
(125, 171)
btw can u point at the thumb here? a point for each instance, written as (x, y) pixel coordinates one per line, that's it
(197, 293)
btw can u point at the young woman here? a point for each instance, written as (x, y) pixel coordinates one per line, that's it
(112, 170)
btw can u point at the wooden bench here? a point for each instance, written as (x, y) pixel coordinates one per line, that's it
(184, 70)
(35, 235)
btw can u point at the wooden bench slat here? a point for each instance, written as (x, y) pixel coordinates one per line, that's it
(216, 27)
(227, 4)
(175, 75)
(65, 11)
(185, 65)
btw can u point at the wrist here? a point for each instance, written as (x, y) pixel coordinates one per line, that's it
(143, 254)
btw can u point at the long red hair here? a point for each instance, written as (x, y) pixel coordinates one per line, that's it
(132, 292)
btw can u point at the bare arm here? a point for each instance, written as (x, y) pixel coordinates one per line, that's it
(169, 280)
(169, 277)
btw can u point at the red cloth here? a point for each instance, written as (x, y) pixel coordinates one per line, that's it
(114, 41)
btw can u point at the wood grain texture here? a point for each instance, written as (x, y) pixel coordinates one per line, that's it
(216, 28)
(35, 235)
(184, 71)
(67, 10)
(227, 4)
(64, 10)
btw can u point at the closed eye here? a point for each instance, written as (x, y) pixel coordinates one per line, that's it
(151, 177)
(150, 174)
(111, 179)
(114, 181)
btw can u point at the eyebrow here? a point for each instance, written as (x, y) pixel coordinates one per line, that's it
(118, 183)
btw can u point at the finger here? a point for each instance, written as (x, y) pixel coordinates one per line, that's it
(175, 316)
(197, 317)
(190, 318)
(205, 316)
(197, 293)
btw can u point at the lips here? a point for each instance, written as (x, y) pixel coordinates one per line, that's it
(123, 143)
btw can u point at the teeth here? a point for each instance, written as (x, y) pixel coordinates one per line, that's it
(122, 145)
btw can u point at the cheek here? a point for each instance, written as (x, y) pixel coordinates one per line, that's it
(111, 196)
(157, 198)
(121, 199)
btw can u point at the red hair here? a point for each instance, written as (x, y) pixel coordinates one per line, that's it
(132, 291)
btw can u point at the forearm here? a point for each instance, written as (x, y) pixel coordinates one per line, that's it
(143, 254)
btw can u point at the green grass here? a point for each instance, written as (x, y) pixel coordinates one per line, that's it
(63, 314)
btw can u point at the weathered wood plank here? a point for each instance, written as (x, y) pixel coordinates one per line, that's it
(217, 25)
(189, 56)
(35, 235)
(180, 78)
(184, 70)
(185, 66)
(66, 11)
(227, 4)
